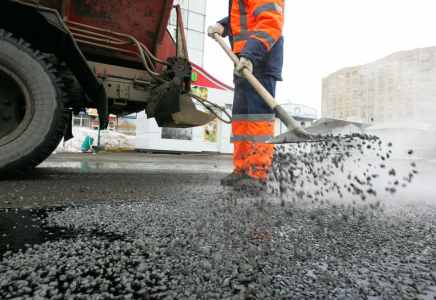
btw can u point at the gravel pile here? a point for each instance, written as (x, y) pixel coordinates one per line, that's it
(307, 235)
(223, 249)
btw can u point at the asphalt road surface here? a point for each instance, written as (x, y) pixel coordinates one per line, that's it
(152, 226)
(73, 178)
(66, 178)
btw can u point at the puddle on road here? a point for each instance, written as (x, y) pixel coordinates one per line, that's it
(81, 165)
(87, 166)
(21, 227)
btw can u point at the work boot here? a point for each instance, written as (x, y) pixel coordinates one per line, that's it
(251, 186)
(232, 179)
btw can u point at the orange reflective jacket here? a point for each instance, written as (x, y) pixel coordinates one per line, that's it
(258, 21)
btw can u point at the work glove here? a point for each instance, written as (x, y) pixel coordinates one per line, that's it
(243, 63)
(217, 28)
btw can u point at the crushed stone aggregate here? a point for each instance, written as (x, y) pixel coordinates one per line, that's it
(322, 228)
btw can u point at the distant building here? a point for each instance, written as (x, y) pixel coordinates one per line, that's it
(305, 115)
(400, 87)
(89, 119)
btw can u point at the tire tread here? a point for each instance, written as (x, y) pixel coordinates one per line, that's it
(50, 145)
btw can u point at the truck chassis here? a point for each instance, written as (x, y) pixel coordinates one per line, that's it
(59, 57)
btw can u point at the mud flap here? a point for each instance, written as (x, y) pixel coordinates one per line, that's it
(68, 134)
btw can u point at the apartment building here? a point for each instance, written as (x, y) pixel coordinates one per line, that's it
(400, 87)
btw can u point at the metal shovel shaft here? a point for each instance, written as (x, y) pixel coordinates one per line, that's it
(289, 121)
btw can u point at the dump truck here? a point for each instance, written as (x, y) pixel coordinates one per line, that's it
(60, 57)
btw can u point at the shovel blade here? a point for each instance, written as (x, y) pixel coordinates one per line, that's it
(318, 132)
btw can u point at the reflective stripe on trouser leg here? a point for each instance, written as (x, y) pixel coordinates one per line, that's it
(253, 124)
(260, 129)
(241, 141)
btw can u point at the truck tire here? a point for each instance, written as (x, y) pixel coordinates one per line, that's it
(33, 106)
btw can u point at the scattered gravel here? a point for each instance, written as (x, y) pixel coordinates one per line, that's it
(231, 249)
(318, 230)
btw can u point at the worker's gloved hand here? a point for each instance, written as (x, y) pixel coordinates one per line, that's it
(217, 28)
(243, 63)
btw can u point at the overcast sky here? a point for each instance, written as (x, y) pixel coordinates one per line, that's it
(324, 36)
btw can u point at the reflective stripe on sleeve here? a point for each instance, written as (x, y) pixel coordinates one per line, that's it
(263, 35)
(267, 7)
(243, 36)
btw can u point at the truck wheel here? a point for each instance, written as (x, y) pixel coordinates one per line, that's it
(33, 106)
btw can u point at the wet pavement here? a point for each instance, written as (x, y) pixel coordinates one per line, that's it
(67, 178)
(160, 227)
(76, 178)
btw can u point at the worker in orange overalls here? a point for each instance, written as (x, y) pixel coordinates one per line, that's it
(254, 28)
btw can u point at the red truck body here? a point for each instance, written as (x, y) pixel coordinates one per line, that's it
(113, 55)
(144, 20)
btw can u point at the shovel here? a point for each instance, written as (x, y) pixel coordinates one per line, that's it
(295, 133)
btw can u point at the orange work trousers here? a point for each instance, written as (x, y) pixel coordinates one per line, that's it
(253, 124)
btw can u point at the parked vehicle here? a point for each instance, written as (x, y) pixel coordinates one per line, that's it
(63, 56)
